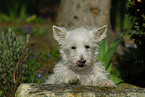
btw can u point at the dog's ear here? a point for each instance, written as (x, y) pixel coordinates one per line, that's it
(59, 33)
(99, 33)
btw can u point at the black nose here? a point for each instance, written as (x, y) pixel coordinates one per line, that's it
(82, 61)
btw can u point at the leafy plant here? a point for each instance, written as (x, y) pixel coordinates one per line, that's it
(54, 54)
(0, 93)
(132, 62)
(12, 9)
(11, 49)
(105, 56)
(39, 31)
(136, 11)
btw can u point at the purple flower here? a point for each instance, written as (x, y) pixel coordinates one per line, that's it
(39, 59)
(39, 75)
(27, 26)
(5, 37)
(31, 51)
(36, 55)
(43, 72)
(47, 55)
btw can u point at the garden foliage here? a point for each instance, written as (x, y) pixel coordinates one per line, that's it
(136, 12)
(105, 55)
(11, 49)
(133, 62)
(13, 10)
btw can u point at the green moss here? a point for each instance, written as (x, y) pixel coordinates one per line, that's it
(42, 90)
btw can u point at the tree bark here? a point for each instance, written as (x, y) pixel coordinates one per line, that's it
(83, 12)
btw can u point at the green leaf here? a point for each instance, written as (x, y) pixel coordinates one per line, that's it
(108, 55)
(109, 68)
(22, 14)
(106, 44)
(4, 17)
(103, 48)
(116, 79)
(116, 72)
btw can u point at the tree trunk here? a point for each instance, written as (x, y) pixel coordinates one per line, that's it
(83, 12)
(86, 13)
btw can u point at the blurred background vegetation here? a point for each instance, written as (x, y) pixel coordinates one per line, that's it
(36, 17)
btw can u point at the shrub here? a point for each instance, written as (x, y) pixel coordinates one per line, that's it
(11, 49)
(136, 12)
(132, 63)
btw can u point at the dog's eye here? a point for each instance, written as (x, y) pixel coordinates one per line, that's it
(73, 47)
(87, 46)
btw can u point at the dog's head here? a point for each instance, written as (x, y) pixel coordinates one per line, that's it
(79, 47)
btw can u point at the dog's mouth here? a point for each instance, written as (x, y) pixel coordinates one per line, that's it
(80, 64)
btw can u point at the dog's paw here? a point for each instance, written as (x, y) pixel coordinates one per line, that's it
(107, 83)
(72, 80)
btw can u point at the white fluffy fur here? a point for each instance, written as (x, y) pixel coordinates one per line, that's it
(66, 71)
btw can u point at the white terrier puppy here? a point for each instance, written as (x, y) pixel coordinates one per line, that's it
(79, 50)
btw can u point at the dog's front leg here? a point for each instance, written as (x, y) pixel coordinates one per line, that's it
(102, 80)
(106, 83)
(71, 78)
(62, 76)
